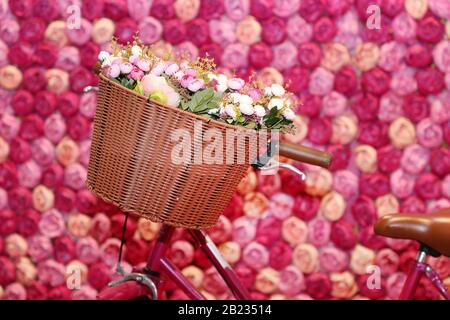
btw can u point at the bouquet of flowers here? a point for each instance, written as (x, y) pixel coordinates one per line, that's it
(195, 86)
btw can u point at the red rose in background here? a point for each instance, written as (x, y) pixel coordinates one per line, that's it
(9, 222)
(28, 222)
(21, 54)
(137, 251)
(68, 103)
(117, 222)
(213, 50)
(371, 293)
(388, 159)
(309, 55)
(20, 150)
(365, 106)
(163, 9)
(391, 7)
(430, 29)
(290, 183)
(311, 10)
(22, 102)
(260, 55)
(86, 202)
(78, 127)
(428, 186)
(8, 174)
(336, 7)
(430, 81)
(440, 161)
(369, 239)
(116, 9)
(211, 9)
(34, 79)
(21, 8)
(324, 30)
(374, 184)
(64, 199)
(99, 275)
(306, 207)
(268, 231)
(364, 211)
(319, 130)
(32, 30)
(126, 30)
(246, 275)
(274, 30)
(374, 133)
(343, 235)
(234, 208)
(418, 56)
(280, 255)
(416, 107)
(45, 54)
(53, 175)
(46, 9)
(375, 81)
(64, 248)
(198, 31)
(310, 105)
(297, 78)
(413, 204)
(318, 285)
(7, 271)
(32, 127)
(340, 155)
(19, 199)
(174, 31)
(80, 78)
(261, 9)
(45, 103)
(37, 291)
(59, 293)
(89, 54)
(92, 9)
(346, 80)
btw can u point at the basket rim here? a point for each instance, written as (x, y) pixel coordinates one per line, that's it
(181, 111)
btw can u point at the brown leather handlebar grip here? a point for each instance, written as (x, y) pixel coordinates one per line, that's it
(305, 154)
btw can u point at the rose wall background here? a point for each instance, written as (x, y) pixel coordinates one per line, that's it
(377, 99)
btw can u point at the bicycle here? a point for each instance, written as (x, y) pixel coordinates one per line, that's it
(432, 232)
(147, 282)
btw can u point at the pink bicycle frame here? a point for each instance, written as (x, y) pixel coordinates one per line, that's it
(158, 263)
(420, 269)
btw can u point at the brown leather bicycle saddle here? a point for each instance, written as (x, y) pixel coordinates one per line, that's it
(432, 230)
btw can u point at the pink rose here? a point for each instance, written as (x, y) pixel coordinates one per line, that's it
(46, 9)
(29, 174)
(391, 56)
(404, 27)
(371, 293)
(78, 127)
(333, 259)
(319, 130)
(32, 127)
(321, 81)
(298, 30)
(9, 31)
(235, 56)
(64, 199)
(418, 56)
(402, 183)
(415, 158)
(345, 182)
(440, 108)
(20, 150)
(237, 9)
(364, 211)
(430, 81)
(336, 7)
(51, 272)
(441, 8)
(80, 36)
(390, 107)
(430, 29)
(45, 54)
(319, 230)
(292, 281)
(388, 261)
(268, 231)
(441, 55)
(429, 134)
(80, 78)
(222, 31)
(391, 7)
(211, 9)
(403, 82)
(52, 176)
(21, 8)
(310, 105)
(150, 30)
(32, 29)
(8, 174)
(255, 256)
(285, 56)
(54, 127)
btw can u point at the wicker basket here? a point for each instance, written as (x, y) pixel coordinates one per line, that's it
(130, 161)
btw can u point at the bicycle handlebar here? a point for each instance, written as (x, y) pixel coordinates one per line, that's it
(305, 154)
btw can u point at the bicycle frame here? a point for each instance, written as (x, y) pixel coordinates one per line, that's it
(420, 269)
(157, 263)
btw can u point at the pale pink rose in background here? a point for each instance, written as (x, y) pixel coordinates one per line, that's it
(237, 9)
(348, 30)
(441, 8)
(361, 258)
(345, 129)
(390, 107)
(366, 55)
(332, 206)
(441, 55)
(440, 108)
(415, 158)
(402, 183)
(103, 30)
(321, 82)
(346, 183)
(334, 104)
(446, 186)
(334, 56)
(404, 27)
(429, 134)
(187, 50)
(139, 9)
(235, 56)
(80, 36)
(248, 30)
(403, 81)
(186, 9)
(285, 8)
(387, 204)
(437, 205)
(365, 157)
(268, 76)
(298, 30)
(222, 31)
(285, 55)
(305, 257)
(402, 132)
(150, 30)
(294, 231)
(416, 8)
(391, 56)
(56, 33)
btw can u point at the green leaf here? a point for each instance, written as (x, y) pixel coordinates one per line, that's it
(200, 99)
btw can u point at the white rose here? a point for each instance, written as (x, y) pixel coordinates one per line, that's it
(136, 51)
(213, 111)
(260, 111)
(247, 109)
(230, 111)
(289, 114)
(244, 99)
(221, 87)
(267, 91)
(275, 102)
(103, 55)
(277, 90)
(235, 97)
